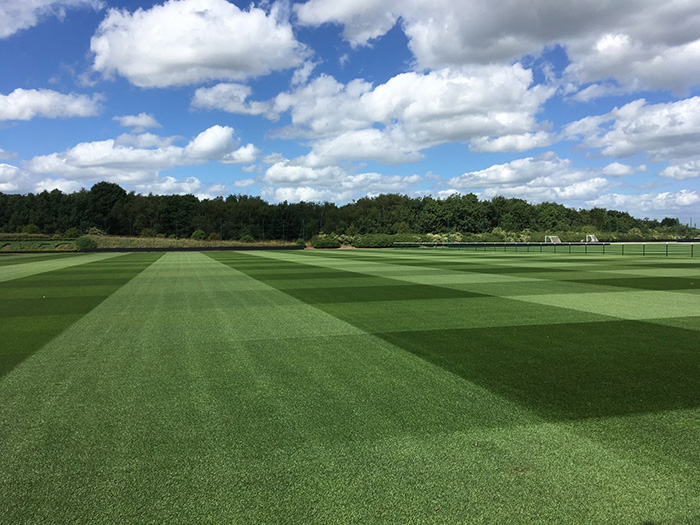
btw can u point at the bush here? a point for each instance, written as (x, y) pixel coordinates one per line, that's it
(31, 229)
(373, 240)
(95, 231)
(325, 241)
(247, 238)
(300, 242)
(85, 243)
(198, 235)
(147, 232)
(214, 236)
(72, 233)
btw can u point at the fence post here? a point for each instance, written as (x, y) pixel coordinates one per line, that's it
(623, 249)
(644, 249)
(603, 249)
(666, 249)
(691, 250)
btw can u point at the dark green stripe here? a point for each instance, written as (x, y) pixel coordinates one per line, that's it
(561, 363)
(35, 309)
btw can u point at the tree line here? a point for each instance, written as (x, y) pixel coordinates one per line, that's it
(109, 208)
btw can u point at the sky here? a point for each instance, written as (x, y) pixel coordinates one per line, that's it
(585, 103)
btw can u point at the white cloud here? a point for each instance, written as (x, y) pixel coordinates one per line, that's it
(169, 186)
(243, 155)
(16, 180)
(288, 181)
(26, 104)
(145, 140)
(494, 107)
(662, 131)
(682, 171)
(140, 121)
(617, 169)
(542, 178)
(139, 159)
(244, 183)
(517, 143)
(186, 42)
(12, 179)
(651, 204)
(301, 75)
(642, 44)
(363, 20)
(7, 155)
(66, 186)
(231, 98)
(23, 14)
(212, 143)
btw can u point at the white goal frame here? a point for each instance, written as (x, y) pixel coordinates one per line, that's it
(552, 239)
(591, 238)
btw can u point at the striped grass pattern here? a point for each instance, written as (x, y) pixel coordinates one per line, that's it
(411, 386)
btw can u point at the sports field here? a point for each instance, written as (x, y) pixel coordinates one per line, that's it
(411, 386)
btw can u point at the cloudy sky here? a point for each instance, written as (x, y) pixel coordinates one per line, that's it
(586, 103)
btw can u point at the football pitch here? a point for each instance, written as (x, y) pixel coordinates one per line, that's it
(349, 386)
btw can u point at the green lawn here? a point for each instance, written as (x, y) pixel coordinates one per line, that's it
(359, 386)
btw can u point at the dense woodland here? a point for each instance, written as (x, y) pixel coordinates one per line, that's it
(109, 208)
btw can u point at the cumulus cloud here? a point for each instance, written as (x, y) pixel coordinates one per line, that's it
(66, 186)
(231, 97)
(651, 204)
(617, 169)
(139, 159)
(682, 171)
(243, 155)
(184, 42)
(286, 180)
(642, 44)
(18, 15)
(662, 131)
(542, 178)
(140, 121)
(16, 180)
(493, 107)
(26, 104)
(12, 179)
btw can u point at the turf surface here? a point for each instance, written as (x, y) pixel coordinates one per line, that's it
(350, 387)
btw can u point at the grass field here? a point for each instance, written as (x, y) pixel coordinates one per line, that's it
(411, 386)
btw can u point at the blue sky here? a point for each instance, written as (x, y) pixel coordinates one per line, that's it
(592, 103)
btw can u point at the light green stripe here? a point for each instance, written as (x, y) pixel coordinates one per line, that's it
(18, 271)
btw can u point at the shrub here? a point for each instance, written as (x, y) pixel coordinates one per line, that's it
(300, 242)
(373, 240)
(325, 241)
(72, 233)
(31, 229)
(214, 236)
(198, 234)
(147, 232)
(95, 231)
(248, 238)
(85, 243)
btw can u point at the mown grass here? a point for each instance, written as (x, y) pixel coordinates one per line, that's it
(360, 387)
(36, 308)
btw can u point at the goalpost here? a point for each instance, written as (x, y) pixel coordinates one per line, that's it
(591, 238)
(554, 239)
